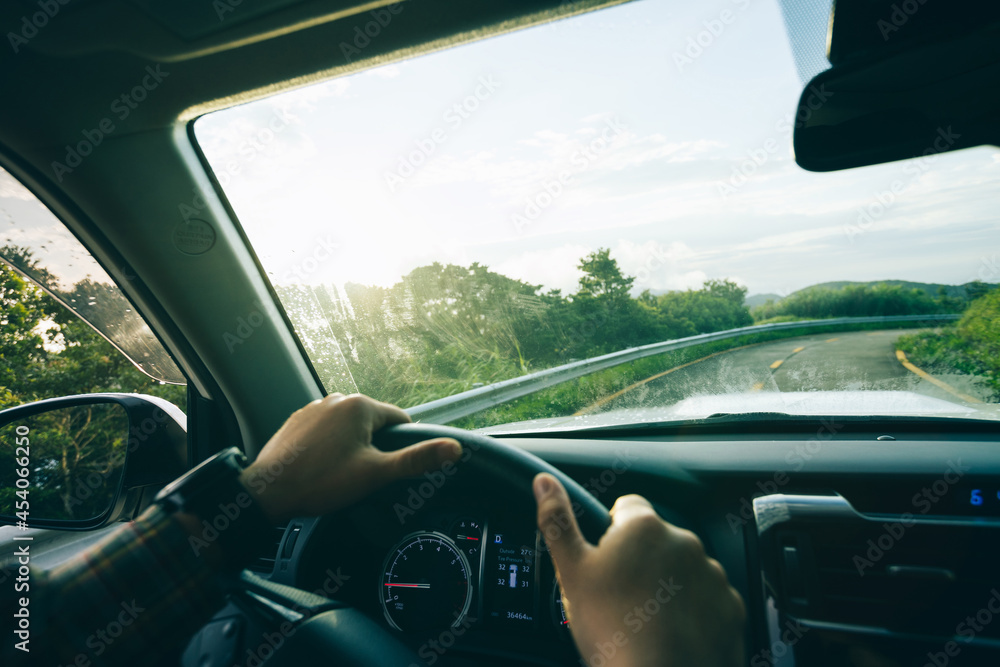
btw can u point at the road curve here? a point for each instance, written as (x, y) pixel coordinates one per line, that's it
(858, 360)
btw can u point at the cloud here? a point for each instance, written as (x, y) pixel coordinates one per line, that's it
(546, 139)
(596, 118)
(657, 266)
(554, 268)
(635, 151)
(33, 226)
(517, 172)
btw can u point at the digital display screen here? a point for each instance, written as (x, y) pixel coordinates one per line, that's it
(509, 579)
(984, 497)
(954, 493)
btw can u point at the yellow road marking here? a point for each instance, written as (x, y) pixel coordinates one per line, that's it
(777, 363)
(797, 350)
(830, 340)
(933, 380)
(610, 397)
(757, 386)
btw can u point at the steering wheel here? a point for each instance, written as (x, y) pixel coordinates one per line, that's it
(333, 631)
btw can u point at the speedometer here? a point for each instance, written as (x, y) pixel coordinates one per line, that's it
(558, 608)
(425, 583)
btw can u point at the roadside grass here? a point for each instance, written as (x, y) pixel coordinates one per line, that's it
(939, 350)
(971, 346)
(569, 397)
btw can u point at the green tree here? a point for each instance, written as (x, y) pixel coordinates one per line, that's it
(76, 456)
(717, 306)
(976, 289)
(22, 352)
(602, 277)
(603, 317)
(46, 351)
(443, 328)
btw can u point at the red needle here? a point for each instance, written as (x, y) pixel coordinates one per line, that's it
(411, 585)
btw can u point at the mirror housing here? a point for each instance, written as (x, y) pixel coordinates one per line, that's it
(904, 84)
(155, 452)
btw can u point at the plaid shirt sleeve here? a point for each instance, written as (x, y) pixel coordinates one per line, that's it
(140, 593)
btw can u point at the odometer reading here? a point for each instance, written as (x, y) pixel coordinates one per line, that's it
(509, 579)
(425, 583)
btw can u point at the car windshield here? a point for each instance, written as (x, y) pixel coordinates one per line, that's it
(600, 220)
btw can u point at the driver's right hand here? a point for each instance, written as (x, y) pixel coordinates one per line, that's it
(646, 594)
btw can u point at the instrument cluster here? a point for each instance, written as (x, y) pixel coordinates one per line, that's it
(454, 578)
(481, 572)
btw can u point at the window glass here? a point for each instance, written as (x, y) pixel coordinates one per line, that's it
(65, 326)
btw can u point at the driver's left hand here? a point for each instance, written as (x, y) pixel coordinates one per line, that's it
(322, 458)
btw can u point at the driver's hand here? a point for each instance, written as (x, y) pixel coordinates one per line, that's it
(646, 594)
(322, 458)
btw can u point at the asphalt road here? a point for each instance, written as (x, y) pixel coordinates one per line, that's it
(860, 360)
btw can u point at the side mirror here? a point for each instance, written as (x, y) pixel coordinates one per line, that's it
(81, 462)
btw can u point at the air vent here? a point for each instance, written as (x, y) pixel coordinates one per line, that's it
(263, 563)
(890, 574)
(920, 579)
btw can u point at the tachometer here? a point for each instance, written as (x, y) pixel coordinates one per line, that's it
(425, 583)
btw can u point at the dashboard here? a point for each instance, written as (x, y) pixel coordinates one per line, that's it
(453, 574)
(460, 575)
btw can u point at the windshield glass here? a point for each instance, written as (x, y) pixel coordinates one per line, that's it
(509, 210)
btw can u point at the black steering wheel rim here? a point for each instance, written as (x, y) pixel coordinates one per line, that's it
(503, 465)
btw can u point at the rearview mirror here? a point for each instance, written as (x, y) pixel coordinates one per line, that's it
(909, 80)
(83, 461)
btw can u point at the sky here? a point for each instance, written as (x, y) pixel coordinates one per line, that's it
(614, 129)
(26, 223)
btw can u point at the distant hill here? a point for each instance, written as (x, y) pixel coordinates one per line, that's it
(931, 289)
(760, 299)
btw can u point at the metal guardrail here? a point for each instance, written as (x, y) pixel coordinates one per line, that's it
(444, 410)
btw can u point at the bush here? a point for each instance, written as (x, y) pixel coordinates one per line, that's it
(971, 346)
(854, 301)
(979, 328)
